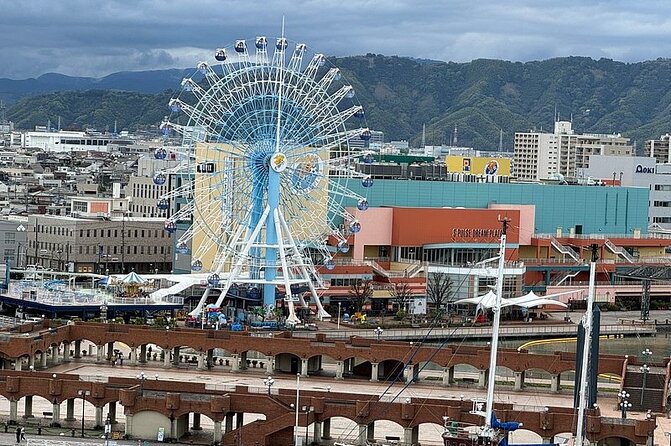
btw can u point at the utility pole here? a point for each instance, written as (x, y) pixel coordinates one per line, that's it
(36, 242)
(123, 243)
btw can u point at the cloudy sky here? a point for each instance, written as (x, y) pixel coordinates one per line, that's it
(98, 37)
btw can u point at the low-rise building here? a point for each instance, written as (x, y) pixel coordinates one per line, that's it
(98, 245)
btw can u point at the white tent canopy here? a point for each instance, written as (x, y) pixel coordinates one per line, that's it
(133, 279)
(529, 300)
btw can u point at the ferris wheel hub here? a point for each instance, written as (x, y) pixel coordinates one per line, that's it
(278, 162)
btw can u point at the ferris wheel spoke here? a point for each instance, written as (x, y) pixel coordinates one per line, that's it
(313, 66)
(333, 140)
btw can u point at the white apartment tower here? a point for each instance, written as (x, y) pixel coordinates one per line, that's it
(540, 156)
(658, 149)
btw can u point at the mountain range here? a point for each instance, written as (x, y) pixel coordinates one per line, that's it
(400, 95)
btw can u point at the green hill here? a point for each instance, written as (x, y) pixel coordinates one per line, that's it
(401, 94)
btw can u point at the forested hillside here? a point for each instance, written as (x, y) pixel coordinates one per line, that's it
(401, 94)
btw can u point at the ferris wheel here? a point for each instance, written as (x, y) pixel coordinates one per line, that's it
(265, 140)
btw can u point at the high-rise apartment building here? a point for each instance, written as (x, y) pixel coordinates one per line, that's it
(539, 156)
(658, 149)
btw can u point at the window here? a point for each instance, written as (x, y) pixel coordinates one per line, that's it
(10, 238)
(79, 206)
(9, 255)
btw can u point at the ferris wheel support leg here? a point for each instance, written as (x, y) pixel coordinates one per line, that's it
(199, 308)
(293, 319)
(243, 256)
(234, 242)
(321, 313)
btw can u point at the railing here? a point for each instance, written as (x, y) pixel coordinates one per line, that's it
(553, 261)
(94, 378)
(619, 251)
(565, 276)
(481, 332)
(565, 250)
(605, 236)
(67, 297)
(176, 300)
(42, 442)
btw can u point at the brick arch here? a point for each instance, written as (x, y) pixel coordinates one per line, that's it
(323, 355)
(345, 416)
(606, 436)
(179, 412)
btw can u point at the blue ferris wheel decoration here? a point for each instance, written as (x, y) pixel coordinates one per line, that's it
(266, 140)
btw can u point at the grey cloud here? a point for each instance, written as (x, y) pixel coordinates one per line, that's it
(80, 37)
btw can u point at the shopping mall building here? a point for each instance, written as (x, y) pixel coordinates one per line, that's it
(414, 227)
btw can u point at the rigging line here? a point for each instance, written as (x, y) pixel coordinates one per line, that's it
(436, 351)
(433, 323)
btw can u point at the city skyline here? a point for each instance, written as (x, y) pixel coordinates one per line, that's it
(72, 38)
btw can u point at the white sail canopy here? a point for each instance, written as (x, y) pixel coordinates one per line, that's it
(529, 300)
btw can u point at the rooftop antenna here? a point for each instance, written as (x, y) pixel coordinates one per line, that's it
(59, 123)
(555, 115)
(500, 140)
(454, 136)
(115, 126)
(423, 135)
(48, 125)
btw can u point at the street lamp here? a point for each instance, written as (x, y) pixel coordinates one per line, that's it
(624, 403)
(141, 377)
(103, 312)
(339, 306)
(307, 410)
(83, 394)
(268, 382)
(378, 332)
(298, 389)
(108, 429)
(645, 368)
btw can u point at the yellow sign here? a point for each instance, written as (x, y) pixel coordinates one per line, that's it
(478, 165)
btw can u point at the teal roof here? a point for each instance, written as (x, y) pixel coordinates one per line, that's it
(607, 210)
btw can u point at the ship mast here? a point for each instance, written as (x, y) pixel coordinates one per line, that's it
(495, 329)
(587, 325)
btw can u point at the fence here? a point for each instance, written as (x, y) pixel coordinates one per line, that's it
(479, 332)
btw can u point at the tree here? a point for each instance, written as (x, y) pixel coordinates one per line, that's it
(439, 290)
(401, 294)
(360, 292)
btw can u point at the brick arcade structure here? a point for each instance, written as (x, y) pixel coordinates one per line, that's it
(174, 408)
(154, 402)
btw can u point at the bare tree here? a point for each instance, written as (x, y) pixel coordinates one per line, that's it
(360, 292)
(439, 290)
(401, 293)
